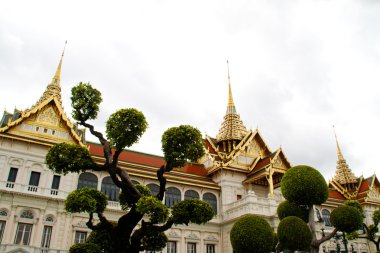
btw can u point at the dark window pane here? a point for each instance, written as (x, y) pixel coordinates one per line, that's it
(211, 199)
(154, 189)
(88, 180)
(110, 189)
(12, 175)
(34, 178)
(2, 228)
(326, 217)
(56, 181)
(210, 248)
(172, 196)
(190, 194)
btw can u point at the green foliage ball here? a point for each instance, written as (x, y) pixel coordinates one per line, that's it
(86, 200)
(287, 208)
(346, 218)
(125, 127)
(304, 185)
(154, 208)
(85, 248)
(63, 158)
(154, 241)
(144, 190)
(251, 234)
(294, 234)
(192, 210)
(354, 203)
(85, 102)
(182, 144)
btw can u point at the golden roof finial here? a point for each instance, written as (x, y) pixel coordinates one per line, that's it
(230, 106)
(54, 87)
(232, 126)
(343, 173)
(57, 77)
(340, 156)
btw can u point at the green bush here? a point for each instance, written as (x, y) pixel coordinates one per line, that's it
(251, 234)
(86, 200)
(287, 208)
(304, 185)
(63, 158)
(125, 127)
(85, 248)
(294, 234)
(192, 210)
(346, 218)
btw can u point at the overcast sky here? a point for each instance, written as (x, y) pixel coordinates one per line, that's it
(297, 67)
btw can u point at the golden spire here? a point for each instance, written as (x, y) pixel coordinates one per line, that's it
(232, 128)
(230, 106)
(54, 87)
(343, 173)
(340, 156)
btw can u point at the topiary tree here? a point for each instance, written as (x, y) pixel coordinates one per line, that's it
(123, 128)
(251, 234)
(294, 234)
(303, 187)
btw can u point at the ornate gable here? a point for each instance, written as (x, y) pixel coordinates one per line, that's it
(45, 121)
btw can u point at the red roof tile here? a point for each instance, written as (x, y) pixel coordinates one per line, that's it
(364, 186)
(146, 159)
(335, 195)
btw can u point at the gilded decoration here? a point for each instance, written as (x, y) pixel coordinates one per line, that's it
(48, 116)
(374, 193)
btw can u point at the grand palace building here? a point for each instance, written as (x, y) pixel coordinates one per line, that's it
(239, 174)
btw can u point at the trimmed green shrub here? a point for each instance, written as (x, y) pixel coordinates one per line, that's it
(251, 234)
(85, 248)
(304, 185)
(86, 200)
(192, 210)
(287, 208)
(346, 218)
(294, 234)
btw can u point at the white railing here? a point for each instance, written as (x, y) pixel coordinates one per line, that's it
(31, 189)
(251, 204)
(46, 192)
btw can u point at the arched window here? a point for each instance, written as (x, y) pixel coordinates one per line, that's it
(211, 199)
(49, 218)
(154, 189)
(3, 212)
(110, 189)
(88, 180)
(326, 217)
(27, 214)
(172, 196)
(190, 194)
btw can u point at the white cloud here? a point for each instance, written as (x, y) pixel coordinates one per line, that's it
(297, 67)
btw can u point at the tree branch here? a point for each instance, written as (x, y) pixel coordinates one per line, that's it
(89, 223)
(160, 176)
(316, 243)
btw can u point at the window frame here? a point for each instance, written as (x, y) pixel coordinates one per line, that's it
(21, 239)
(191, 247)
(46, 237)
(3, 223)
(78, 239)
(170, 249)
(172, 196)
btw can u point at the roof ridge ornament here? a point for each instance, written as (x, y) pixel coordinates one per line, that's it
(343, 173)
(54, 87)
(232, 128)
